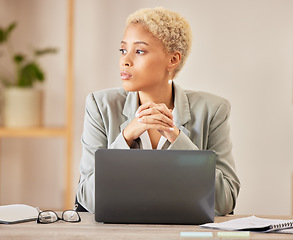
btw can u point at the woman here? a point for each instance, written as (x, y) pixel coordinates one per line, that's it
(152, 112)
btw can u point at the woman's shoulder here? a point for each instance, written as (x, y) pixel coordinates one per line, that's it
(205, 97)
(205, 100)
(109, 94)
(106, 96)
(199, 96)
(208, 102)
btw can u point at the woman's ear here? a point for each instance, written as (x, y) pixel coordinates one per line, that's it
(175, 59)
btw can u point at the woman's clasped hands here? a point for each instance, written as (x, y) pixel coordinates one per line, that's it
(151, 116)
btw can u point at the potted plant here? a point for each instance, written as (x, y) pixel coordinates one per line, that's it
(22, 101)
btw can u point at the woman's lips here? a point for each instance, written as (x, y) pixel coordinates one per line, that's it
(125, 75)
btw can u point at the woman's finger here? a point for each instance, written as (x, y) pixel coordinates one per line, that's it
(163, 109)
(151, 108)
(144, 106)
(149, 111)
(156, 119)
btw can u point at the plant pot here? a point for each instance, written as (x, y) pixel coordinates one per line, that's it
(22, 107)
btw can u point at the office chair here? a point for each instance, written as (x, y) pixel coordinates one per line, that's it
(80, 208)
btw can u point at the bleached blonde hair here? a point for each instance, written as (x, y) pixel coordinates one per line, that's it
(169, 27)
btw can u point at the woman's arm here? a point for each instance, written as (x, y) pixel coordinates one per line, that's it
(227, 181)
(94, 136)
(214, 134)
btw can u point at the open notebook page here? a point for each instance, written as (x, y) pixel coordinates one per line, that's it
(17, 213)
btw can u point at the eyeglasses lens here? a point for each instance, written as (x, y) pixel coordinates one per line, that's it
(48, 217)
(70, 216)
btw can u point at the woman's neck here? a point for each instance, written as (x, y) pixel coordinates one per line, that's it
(159, 96)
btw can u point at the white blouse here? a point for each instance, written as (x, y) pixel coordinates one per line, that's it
(146, 141)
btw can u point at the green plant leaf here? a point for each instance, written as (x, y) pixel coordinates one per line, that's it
(1, 36)
(27, 70)
(30, 73)
(39, 73)
(9, 30)
(18, 58)
(25, 77)
(11, 27)
(4, 33)
(40, 52)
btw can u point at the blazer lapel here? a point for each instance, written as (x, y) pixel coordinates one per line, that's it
(181, 112)
(181, 109)
(130, 107)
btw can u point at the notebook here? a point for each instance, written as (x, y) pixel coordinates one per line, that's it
(255, 224)
(17, 213)
(154, 186)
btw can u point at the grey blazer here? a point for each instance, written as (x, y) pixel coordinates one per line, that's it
(203, 122)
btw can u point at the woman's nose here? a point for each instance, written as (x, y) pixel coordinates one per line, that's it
(126, 62)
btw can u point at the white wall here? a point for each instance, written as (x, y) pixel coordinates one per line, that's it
(242, 50)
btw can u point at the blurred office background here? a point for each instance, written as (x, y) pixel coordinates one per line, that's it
(242, 50)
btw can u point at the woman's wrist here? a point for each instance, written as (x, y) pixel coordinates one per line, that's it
(127, 138)
(174, 134)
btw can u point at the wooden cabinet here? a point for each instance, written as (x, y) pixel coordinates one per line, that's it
(64, 132)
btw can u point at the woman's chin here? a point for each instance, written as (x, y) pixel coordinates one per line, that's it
(129, 87)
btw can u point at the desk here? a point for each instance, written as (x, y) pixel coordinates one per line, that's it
(89, 229)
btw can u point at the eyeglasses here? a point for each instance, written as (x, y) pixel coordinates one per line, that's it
(49, 216)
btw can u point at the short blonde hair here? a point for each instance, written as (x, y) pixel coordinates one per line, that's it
(169, 27)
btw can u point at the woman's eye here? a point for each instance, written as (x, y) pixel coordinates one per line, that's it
(140, 51)
(123, 51)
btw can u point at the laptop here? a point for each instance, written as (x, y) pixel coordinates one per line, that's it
(154, 186)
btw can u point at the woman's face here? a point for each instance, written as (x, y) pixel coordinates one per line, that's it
(143, 61)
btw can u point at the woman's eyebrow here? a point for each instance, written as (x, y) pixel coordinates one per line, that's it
(141, 42)
(137, 42)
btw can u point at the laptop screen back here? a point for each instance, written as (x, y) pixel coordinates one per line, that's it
(154, 186)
